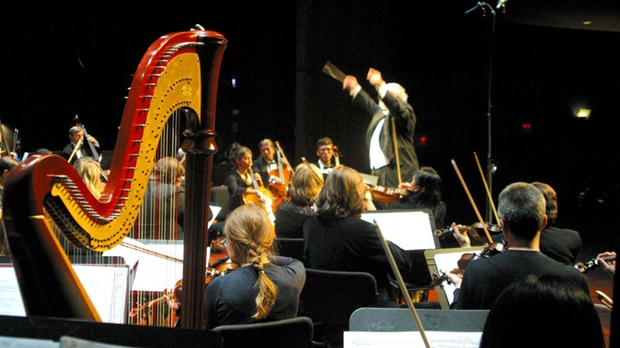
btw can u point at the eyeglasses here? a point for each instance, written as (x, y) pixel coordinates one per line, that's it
(322, 149)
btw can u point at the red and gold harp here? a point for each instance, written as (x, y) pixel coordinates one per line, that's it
(178, 73)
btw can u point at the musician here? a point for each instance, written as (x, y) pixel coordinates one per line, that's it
(5, 142)
(239, 183)
(76, 135)
(522, 216)
(380, 139)
(560, 244)
(162, 212)
(266, 162)
(338, 239)
(425, 191)
(305, 186)
(265, 287)
(90, 172)
(325, 152)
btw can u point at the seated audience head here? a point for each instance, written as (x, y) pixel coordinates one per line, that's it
(305, 184)
(521, 210)
(551, 200)
(543, 311)
(342, 194)
(90, 171)
(249, 240)
(169, 170)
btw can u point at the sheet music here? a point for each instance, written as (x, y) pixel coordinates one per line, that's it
(411, 339)
(107, 287)
(19, 342)
(409, 229)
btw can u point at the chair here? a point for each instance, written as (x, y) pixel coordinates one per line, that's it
(219, 195)
(295, 332)
(291, 247)
(330, 297)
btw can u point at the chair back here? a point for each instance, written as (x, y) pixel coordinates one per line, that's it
(330, 297)
(219, 195)
(295, 332)
(291, 247)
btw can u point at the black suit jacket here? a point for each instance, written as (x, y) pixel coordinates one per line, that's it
(405, 122)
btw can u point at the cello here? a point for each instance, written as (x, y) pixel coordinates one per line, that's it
(253, 198)
(283, 172)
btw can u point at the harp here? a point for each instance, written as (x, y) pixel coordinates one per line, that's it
(179, 72)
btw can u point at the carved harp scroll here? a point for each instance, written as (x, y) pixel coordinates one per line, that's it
(178, 72)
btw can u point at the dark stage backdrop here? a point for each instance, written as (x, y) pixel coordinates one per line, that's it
(60, 60)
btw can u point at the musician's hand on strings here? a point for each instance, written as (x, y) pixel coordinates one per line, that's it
(375, 78)
(462, 237)
(275, 180)
(608, 266)
(92, 140)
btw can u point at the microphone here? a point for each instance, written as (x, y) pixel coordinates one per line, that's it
(501, 3)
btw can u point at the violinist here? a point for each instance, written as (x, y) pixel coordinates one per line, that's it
(522, 216)
(560, 244)
(325, 152)
(265, 287)
(77, 146)
(424, 191)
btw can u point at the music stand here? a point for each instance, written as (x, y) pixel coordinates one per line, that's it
(445, 260)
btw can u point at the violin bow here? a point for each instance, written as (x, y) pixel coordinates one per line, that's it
(303, 159)
(15, 137)
(284, 156)
(75, 148)
(471, 200)
(396, 150)
(486, 186)
(401, 285)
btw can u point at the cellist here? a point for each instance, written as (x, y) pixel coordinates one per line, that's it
(266, 163)
(240, 184)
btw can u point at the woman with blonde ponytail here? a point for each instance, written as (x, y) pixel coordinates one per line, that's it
(266, 287)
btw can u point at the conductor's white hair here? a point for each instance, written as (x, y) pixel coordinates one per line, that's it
(398, 90)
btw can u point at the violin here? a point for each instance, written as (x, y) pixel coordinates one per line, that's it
(476, 230)
(488, 251)
(173, 298)
(389, 195)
